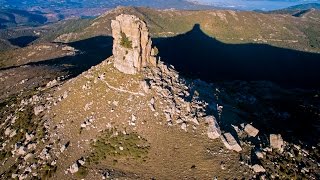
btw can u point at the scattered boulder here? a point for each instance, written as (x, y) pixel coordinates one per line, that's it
(213, 130)
(29, 137)
(145, 86)
(250, 130)
(38, 109)
(22, 150)
(8, 131)
(184, 127)
(81, 161)
(28, 156)
(259, 154)
(276, 142)
(74, 168)
(230, 142)
(131, 44)
(258, 168)
(151, 105)
(13, 133)
(52, 83)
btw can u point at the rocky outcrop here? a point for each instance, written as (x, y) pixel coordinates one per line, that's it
(131, 45)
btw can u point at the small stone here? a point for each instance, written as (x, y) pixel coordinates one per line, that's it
(151, 105)
(13, 133)
(32, 146)
(52, 83)
(65, 95)
(29, 137)
(63, 148)
(53, 163)
(21, 150)
(7, 132)
(28, 156)
(81, 162)
(184, 126)
(74, 168)
(14, 176)
(259, 154)
(258, 168)
(121, 148)
(115, 103)
(145, 86)
(37, 110)
(194, 120)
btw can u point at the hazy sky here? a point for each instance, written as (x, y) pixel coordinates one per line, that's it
(256, 4)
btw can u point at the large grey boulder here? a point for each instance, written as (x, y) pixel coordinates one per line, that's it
(213, 129)
(131, 44)
(250, 130)
(230, 142)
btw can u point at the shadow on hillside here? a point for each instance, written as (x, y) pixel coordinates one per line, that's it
(22, 41)
(195, 53)
(92, 51)
(198, 55)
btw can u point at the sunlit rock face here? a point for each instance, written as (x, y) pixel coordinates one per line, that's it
(131, 45)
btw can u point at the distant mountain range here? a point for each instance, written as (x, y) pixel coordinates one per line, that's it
(298, 10)
(27, 4)
(264, 5)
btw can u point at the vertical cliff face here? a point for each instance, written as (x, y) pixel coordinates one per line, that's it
(132, 44)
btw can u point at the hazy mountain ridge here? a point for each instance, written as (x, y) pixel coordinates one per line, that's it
(225, 25)
(297, 9)
(14, 17)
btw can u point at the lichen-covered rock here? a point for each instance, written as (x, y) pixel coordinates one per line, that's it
(131, 44)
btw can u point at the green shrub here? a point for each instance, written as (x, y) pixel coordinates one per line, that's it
(125, 42)
(82, 172)
(108, 145)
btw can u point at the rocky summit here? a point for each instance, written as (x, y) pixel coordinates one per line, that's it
(131, 44)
